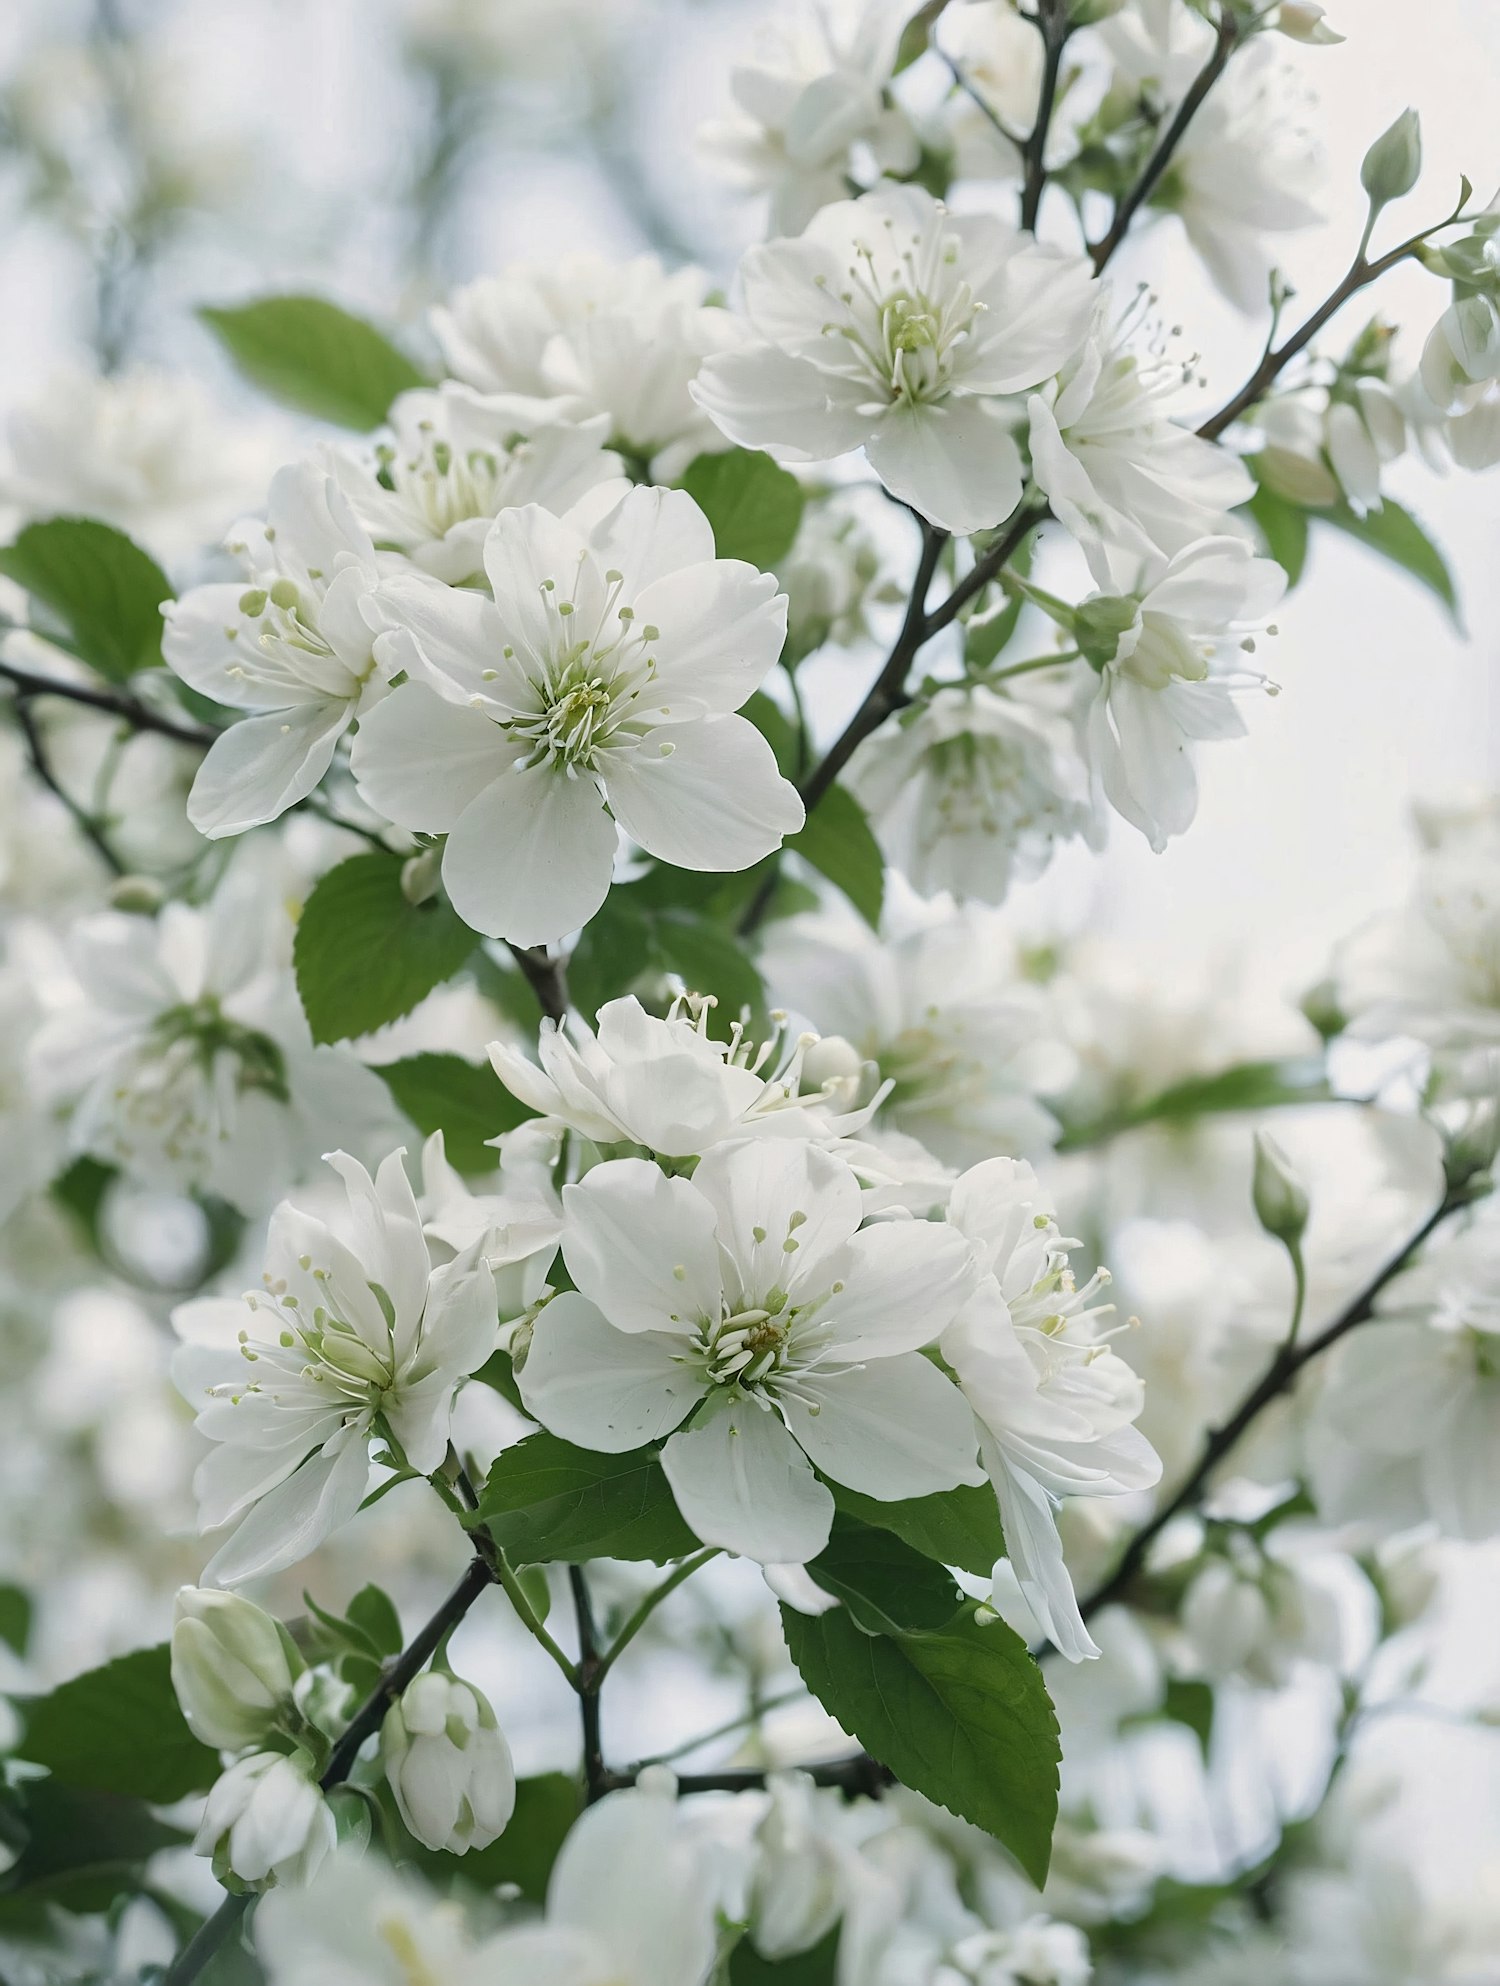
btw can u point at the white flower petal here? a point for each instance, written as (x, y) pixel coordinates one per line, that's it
(530, 858)
(261, 766)
(742, 1482)
(894, 1428)
(641, 1246)
(715, 800)
(599, 1387)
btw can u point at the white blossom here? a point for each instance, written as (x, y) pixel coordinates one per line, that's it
(629, 1903)
(359, 1922)
(1118, 471)
(1165, 681)
(670, 1085)
(266, 1822)
(812, 100)
(447, 1763)
(147, 451)
(354, 1334)
(1055, 1405)
(620, 339)
(895, 326)
(970, 791)
(180, 1050)
(747, 1300)
(1416, 1392)
(289, 645)
(1431, 969)
(607, 668)
(457, 459)
(942, 1011)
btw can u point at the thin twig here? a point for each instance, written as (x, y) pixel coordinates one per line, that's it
(648, 1607)
(1360, 275)
(1277, 1379)
(41, 765)
(886, 692)
(1129, 206)
(1052, 24)
(213, 1932)
(591, 1668)
(115, 702)
(546, 975)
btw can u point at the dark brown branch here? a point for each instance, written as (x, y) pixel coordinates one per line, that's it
(366, 1721)
(590, 1674)
(1225, 43)
(115, 703)
(41, 765)
(1360, 275)
(1278, 1379)
(886, 693)
(1052, 24)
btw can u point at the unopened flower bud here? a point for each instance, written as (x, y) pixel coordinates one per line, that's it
(1391, 165)
(1471, 1143)
(266, 1821)
(1281, 1203)
(421, 875)
(1098, 625)
(1302, 20)
(448, 1764)
(232, 1668)
(832, 1059)
(141, 896)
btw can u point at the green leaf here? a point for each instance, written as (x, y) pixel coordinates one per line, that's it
(103, 589)
(1246, 1086)
(546, 1500)
(119, 1730)
(636, 938)
(309, 354)
(957, 1709)
(15, 1617)
(955, 1527)
(1396, 535)
(83, 1851)
(987, 635)
(707, 959)
(817, 1967)
(1283, 527)
(364, 955)
(753, 504)
(546, 1808)
(839, 844)
(837, 840)
(466, 1101)
(374, 1612)
(885, 1584)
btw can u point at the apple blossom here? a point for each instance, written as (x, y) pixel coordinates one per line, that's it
(898, 327)
(354, 1334)
(749, 1304)
(607, 668)
(289, 644)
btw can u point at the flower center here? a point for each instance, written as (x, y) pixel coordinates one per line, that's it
(904, 325)
(588, 686)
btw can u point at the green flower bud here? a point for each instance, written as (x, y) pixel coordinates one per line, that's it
(448, 1764)
(1393, 162)
(1098, 625)
(232, 1668)
(1281, 1202)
